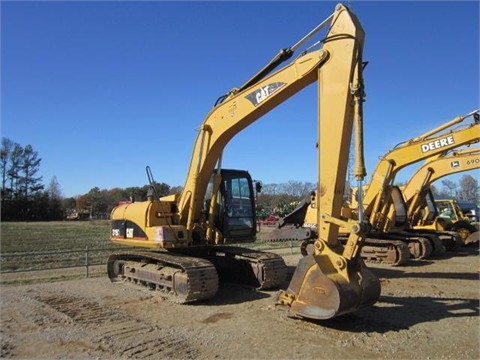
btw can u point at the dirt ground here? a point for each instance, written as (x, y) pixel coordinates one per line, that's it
(429, 309)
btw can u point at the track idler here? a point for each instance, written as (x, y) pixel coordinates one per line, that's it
(326, 284)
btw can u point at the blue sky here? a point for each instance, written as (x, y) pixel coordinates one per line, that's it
(102, 89)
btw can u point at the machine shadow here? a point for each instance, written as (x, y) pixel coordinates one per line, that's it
(396, 273)
(394, 313)
(232, 293)
(401, 314)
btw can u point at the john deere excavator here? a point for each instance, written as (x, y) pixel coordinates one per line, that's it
(185, 232)
(384, 206)
(438, 141)
(422, 211)
(384, 202)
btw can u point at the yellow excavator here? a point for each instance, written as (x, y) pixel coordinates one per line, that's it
(453, 217)
(184, 234)
(422, 210)
(383, 203)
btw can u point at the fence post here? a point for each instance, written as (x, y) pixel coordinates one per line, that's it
(86, 261)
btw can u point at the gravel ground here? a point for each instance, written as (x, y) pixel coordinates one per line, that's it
(428, 309)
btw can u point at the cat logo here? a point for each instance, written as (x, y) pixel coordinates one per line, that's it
(264, 92)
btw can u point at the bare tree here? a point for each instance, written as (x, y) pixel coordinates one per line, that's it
(468, 188)
(450, 186)
(297, 189)
(270, 189)
(54, 198)
(54, 190)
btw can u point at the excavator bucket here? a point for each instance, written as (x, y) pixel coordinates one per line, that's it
(327, 285)
(473, 238)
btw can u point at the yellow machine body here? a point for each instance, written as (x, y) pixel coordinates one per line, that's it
(333, 279)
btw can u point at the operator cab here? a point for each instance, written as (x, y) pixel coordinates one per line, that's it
(235, 216)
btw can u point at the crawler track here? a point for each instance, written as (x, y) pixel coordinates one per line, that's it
(388, 252)
(391, 252)
(264, 270)
(420, 247)
(193, 274)
(450, 240)
(419, 238)
(185, 279)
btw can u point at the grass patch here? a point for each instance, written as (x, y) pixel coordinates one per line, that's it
(53, 236)
(32, 246)
(52, 245)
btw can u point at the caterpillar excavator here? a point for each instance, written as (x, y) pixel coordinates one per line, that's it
(184, 234)
(422, 212)
(383, 203)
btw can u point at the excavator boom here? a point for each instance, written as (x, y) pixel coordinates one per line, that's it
(422, 211)
(439, 167)
(233, 115)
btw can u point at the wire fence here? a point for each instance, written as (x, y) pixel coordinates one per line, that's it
(54, 260)
(22, 262)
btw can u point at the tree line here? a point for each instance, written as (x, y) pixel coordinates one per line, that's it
(24, 197)
(23, 194)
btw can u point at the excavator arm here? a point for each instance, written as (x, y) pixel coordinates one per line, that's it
(333, 279)
(434, 169)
